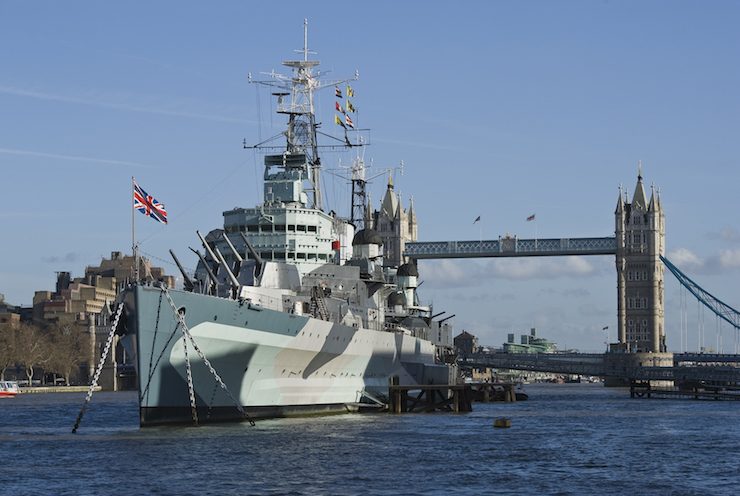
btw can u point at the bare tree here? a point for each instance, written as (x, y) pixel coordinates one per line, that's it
(32, 349)
(70, 347)
(8, 336)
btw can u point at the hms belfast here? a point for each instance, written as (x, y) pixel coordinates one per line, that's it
(290, 311)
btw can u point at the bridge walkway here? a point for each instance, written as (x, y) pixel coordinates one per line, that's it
(703, 368)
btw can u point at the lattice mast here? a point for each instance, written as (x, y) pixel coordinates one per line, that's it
(360, 214)
(301, 132)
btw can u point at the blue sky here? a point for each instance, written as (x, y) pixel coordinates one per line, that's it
(497, 109)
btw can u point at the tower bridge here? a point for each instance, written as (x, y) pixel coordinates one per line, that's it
(639, 250)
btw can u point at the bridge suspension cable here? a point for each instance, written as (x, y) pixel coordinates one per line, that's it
(722, 310)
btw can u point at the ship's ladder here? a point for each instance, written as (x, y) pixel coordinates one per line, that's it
(318, 305)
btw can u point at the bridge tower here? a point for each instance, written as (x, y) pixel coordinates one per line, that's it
(640, 236)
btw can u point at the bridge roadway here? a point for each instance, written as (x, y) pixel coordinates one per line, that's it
(702, 367)
(511, 247)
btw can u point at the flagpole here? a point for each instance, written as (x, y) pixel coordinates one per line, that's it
(133, 227)
(133, 217)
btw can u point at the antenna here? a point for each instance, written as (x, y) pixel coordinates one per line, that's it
(305, 50)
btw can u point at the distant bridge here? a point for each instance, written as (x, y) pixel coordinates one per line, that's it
(511, 247)
(706, 368)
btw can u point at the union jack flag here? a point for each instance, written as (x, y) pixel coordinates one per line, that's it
(147, 205)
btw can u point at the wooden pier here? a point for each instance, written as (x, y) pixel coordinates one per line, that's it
(447, 397)
(485, 392)
(430, 398)
(640, 389)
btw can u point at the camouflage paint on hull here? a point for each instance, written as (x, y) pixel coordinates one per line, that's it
(274, 363)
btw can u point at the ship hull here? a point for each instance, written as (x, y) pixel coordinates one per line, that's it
(273, 363)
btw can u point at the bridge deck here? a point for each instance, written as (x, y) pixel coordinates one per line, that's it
(686, 367)
(511, 247)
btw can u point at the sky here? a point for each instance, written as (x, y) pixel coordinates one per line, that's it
(501, 110)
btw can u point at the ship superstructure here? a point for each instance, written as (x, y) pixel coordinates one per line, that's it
(293, 309)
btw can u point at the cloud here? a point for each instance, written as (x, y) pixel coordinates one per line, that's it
(589, 310)
(539, 268)
(117, 106)
(728, 234)
(688, 262)
(449, 273)
(68, 258)
(685, 259)
(729, 259)
(577, 293)
(68, 157)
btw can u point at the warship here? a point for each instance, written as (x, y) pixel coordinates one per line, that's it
(290, 311)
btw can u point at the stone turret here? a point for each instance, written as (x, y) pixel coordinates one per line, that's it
(395, 225)
(640, 236)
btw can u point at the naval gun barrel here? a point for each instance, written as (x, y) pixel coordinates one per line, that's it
(233, 250)
(207, 267)
(189, 286)
(232, 278)
(208, 248)
(256, 257)
(446, 318)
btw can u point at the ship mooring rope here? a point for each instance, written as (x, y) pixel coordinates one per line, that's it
(186, 332)
(102, 360)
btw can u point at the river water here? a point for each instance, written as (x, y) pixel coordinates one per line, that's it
(568, 439)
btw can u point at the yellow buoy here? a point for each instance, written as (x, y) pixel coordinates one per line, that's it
(502, 422)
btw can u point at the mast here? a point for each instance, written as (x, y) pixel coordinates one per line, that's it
(358, 217)
(301, 133)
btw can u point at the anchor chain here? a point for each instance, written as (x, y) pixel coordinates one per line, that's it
(191, 390)
(154, 341)
(112, 332)
(186, 332)
(145, 393)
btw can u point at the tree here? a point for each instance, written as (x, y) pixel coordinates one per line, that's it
(8, 335)
(31, 349)
(70, 346)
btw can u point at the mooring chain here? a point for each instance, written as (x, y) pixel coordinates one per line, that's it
(191, 390)
(154, 340)
(213, 399)
(202, 356)
(102, 360)
(161, 354)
